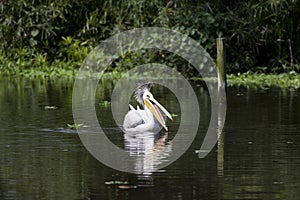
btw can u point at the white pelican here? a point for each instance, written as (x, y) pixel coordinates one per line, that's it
(148, 120)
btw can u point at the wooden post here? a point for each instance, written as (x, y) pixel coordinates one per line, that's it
(220, 155)
(221, 63)
(221, 84)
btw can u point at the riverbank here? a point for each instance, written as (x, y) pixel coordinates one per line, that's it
(288, 80)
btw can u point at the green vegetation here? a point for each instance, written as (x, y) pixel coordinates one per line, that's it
(27, 62)
(74, 126)
(51, 38)
(262, 80)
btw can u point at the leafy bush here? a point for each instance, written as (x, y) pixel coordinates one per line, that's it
(259, 34)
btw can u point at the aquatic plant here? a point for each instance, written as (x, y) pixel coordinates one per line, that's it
(75, 126)
(284, 80)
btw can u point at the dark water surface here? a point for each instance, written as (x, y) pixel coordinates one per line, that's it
(257, 157)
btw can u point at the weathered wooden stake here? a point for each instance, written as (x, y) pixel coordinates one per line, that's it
(221, 63)
(220, 155)
(221, 84)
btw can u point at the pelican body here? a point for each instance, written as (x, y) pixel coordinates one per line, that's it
(148, 119)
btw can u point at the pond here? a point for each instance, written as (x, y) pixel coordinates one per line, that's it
(257, 156)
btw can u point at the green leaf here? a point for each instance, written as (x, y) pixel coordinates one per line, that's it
(34, 33)
(32, 42)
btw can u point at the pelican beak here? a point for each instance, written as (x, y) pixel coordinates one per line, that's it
(153, 106)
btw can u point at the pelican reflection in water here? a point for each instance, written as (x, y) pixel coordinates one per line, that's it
(148, 120)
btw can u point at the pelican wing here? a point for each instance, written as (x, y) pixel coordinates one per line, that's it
(134, 118)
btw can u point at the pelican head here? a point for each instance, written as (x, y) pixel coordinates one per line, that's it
(142, 91)
(145, 98)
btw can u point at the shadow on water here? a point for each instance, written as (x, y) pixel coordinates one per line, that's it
(257, 157)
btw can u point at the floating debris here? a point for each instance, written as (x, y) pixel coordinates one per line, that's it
(75, 126)
(105, 103)
(116, 183)
(174, 115)
(121, 184)
(127, 186)
(201, 151)
(50, 107)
